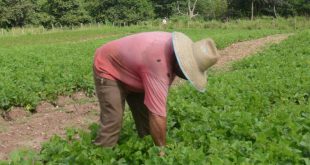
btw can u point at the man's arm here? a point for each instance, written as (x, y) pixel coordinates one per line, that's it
(158, 129)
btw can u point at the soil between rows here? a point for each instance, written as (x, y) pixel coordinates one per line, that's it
(20, 129)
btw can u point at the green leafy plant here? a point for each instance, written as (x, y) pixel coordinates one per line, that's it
(258, 113)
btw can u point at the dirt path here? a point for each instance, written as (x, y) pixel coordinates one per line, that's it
(240, 50)
(24, 130)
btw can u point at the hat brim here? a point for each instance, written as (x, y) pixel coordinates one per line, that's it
(183, 49)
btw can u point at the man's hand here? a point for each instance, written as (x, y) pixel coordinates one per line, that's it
(158, 130)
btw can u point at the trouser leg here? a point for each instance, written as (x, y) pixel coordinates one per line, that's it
(111, 97)
(139, 113)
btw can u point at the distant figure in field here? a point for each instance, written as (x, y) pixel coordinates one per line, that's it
(165, 21)
(139, 69)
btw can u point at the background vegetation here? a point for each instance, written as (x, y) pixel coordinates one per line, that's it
(49, 13)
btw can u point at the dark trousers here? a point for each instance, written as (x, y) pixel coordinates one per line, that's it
(111, 96)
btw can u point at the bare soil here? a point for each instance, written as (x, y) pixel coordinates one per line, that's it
(21, 129)
(240, 50)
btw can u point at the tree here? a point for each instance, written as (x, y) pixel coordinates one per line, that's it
(301, 7)
(67, 12)
(163, 8)
(252, 9)
(212, 9)
(188, 6)
(207, 9)
(241, 8)
(275, 3)
(191, 9)
(4, 21)
(130, 11)
(15, 12)
(253, 2)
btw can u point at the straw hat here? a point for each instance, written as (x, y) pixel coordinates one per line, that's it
(194, 58)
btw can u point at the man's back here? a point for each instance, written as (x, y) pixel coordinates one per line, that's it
(143, 62)
(126, 59)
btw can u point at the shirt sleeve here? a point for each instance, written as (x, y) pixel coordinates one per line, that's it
(156, 92)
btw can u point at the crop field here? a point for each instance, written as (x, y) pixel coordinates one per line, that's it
(256, 113)
(41, 67)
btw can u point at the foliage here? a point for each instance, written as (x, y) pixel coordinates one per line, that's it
(19, 13)
(50, 69)
(212, 9)
(130, 11)
(265, 7)
(41, 67)
(70, 12)
(15, 13)
(256, 114)
(163, 8)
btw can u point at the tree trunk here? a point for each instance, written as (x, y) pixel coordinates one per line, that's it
(274, 11)
(178, 8)
(252, 10)
(191, 9)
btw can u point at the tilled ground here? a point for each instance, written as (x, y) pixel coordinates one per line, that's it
(19, 129)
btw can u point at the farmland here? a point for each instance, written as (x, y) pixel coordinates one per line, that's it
(256, 113)
(60, 63)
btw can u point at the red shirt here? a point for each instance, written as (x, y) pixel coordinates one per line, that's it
(143, 62)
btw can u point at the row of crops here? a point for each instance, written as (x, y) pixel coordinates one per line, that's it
(42, 67)
(258, 113)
